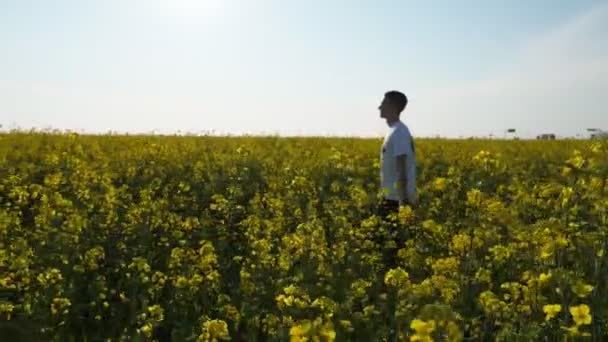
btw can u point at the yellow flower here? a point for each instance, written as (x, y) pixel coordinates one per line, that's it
(216, 330)
(328, 333)
(396, 277)
(561, 242)
(7, 308)
(301, 329)
(406, 215)
(581, 314)
(431, 226)
(474, 198)
(544, 278)
(440, 184)
(60, 306)
(547, 250)
(454, 334)
(422, 328)
(299, 332)
(156, 312)
(446, 266)
(298, 338)
(146, 330)
(581, 289)
(483, 275)
(551, 310)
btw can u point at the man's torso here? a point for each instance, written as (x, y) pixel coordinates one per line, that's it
(398, 134)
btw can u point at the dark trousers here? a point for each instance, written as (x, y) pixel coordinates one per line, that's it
(386, 207)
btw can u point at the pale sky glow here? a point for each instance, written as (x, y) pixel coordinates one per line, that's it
(304, 67)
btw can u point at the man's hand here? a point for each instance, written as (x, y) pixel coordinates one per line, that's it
(401, 187)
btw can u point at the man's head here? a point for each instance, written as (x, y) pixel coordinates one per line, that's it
(392, 105)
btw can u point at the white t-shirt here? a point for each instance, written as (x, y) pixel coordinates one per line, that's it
(398, 141)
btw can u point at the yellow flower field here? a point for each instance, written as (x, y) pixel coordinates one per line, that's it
(135, 238)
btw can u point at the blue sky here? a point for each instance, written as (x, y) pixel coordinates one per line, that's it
(304, 67)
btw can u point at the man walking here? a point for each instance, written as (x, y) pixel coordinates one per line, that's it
(398, 157)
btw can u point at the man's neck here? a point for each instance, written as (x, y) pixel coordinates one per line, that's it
(392, 122)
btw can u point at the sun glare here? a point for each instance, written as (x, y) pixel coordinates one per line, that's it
(195, 8)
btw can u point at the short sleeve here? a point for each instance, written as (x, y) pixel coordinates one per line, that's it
(402, 143)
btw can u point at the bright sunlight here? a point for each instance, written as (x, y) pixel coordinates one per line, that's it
(194, 8)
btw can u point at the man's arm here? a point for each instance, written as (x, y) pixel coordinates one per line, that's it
(402, 178)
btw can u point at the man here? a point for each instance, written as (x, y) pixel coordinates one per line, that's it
(398, 157)
(397, 177)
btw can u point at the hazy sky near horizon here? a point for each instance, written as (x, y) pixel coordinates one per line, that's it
(311, 67)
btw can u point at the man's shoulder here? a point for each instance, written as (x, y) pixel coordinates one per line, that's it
(402, 129)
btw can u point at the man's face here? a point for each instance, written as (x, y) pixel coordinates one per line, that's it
(387, 110)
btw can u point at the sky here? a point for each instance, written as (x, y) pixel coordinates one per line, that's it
(315, 67)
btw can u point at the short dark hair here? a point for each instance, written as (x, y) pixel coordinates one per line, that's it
(397, 98)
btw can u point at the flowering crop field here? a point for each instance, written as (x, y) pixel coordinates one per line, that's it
(139, 238)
